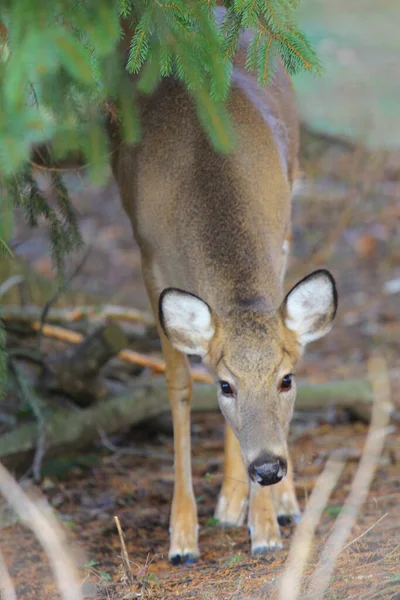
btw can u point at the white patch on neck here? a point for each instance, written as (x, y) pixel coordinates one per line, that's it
(285, 258)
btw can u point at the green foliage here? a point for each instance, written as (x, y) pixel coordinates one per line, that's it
(92, 566)
(233, 560)
(61, 60)
(62, 73)
(24, 191)
(212, 522)
(333, 511)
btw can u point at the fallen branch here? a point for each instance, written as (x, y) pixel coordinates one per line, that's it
(7, 590)
(139, 328)
(76, 373)
(356, 392)
(98, 314)
(44, 525)
(355, 395)
(66, 428)
(362, 481)
(302, 544)
(127, 356)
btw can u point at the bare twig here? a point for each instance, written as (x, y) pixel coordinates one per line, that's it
(9, 283)
(60, 292)
(372, 450)
(303, 539)
(29, 395)
(46, 528)
(125, 558)
(7, 590)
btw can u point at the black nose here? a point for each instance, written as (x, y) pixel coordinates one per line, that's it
(267, 469)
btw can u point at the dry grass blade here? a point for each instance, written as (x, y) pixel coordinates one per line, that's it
(373, 447)
(7, 590)
(44, 525)
(124, 553)
(366, 531)
(290, 582)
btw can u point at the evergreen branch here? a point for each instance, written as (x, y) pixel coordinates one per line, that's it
(125, 8)
(58, 293)
(68, 53)
(317, 65)
(273, 14)
(276, 36)
(66, 208)
(266, 62)
(252, 53)
(174, 6)
(132, 64)
(233, 38)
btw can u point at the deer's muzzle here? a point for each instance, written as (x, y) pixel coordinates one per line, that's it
(268, 469)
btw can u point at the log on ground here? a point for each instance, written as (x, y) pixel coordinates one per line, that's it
(68, 429)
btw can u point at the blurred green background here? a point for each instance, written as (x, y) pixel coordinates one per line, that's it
(358, 96)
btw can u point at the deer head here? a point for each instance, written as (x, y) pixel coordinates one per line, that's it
(253, 352)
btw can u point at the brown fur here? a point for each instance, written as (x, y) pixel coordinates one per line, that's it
(214, 225)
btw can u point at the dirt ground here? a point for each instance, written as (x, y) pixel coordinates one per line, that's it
(346, 218)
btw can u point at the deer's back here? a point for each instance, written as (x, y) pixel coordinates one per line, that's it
(209, 219)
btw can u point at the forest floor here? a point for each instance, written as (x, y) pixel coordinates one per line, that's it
(346, 218)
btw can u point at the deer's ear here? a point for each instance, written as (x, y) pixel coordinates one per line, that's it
(310, 307)
(187, 321)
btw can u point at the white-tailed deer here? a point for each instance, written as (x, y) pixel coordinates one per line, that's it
(214, 232)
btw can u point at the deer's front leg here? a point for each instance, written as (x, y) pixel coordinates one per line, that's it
(285, 501)
(233, 497)
(183, 522)
(262, 523)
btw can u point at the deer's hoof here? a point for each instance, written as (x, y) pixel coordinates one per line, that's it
(183, 559)
(264, 549)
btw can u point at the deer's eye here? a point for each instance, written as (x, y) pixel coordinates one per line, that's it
(286, 382)
(226, 388)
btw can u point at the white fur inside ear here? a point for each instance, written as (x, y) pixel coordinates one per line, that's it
(310, 308)
(187, 321)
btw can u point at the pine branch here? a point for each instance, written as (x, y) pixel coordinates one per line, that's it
(61, 66)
